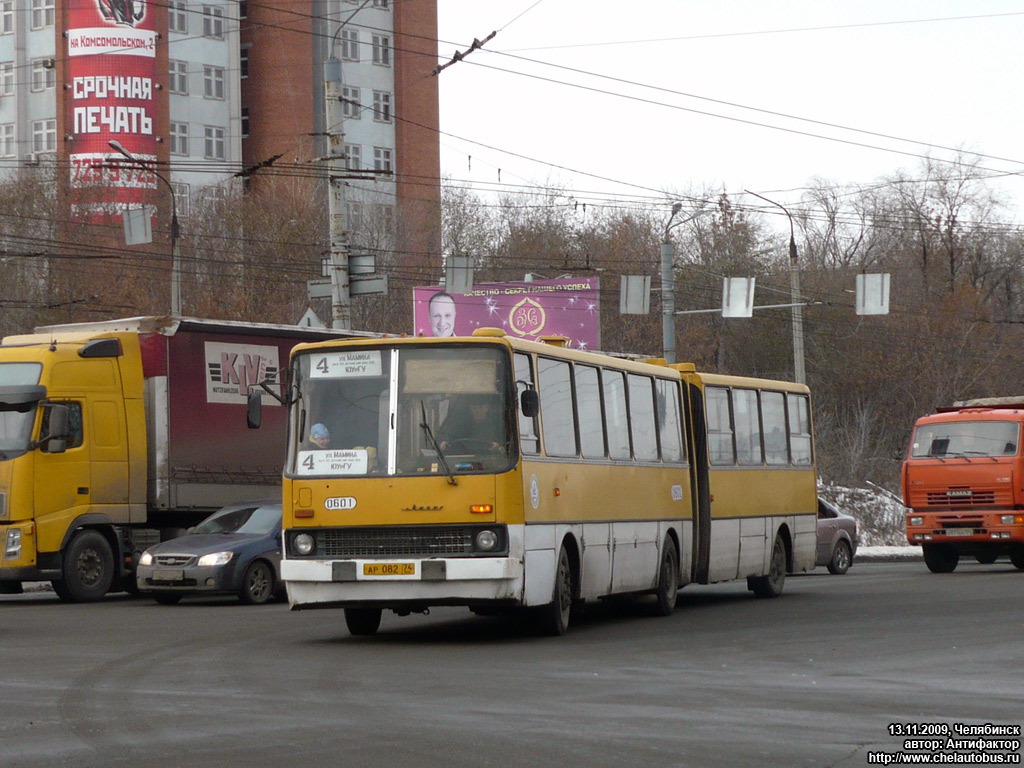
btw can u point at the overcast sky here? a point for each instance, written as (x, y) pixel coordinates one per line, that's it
(632, 98)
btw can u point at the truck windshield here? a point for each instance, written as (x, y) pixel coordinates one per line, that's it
(965, 439)
(402, 410)
(17, 413)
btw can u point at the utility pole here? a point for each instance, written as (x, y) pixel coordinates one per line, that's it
(668, 296)
(341, 298)
(799, 374)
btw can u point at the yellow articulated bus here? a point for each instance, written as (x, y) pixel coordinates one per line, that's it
(503, 474)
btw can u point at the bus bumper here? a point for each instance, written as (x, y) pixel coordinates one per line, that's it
(386, 584)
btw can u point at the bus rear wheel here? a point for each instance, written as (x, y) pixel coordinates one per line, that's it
(362, 621)
(668, 580)
(940, 558)
(770, 585)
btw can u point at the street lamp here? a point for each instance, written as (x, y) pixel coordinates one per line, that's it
(668, 298)
(175, 248)
(799, 375)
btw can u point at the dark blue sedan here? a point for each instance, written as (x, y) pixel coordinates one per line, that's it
(236, 550)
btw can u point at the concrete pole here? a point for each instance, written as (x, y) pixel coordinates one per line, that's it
(341, 299)
(668, 290)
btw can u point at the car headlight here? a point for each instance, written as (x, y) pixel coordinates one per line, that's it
(215, 558)
(304, 544)
(486, 540)
(917, 521)
(146, 559)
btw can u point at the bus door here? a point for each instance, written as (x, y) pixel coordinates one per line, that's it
(699, 483)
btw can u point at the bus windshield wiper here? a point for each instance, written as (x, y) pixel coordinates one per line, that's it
(433, 444)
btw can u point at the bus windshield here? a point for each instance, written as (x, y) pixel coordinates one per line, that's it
(965, 439)
(402, 410)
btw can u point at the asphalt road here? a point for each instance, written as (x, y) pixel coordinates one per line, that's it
(811, 679)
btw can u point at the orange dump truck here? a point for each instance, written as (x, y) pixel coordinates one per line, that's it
(963, 483)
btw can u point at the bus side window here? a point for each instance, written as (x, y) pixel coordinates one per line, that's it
(747, 428)
(719, 418)
(670, 427)
(773, 418)
(588, 406)
(641, 417)
(800, 429)
(527, 424)
(613, 386)
(558, 422)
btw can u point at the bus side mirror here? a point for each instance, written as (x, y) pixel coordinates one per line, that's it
(529, 403)
(254, 410)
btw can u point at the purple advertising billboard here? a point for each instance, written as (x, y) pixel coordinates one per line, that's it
(567, 307)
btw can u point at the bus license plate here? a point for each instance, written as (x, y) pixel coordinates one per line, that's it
(389, 569)
(959, 531)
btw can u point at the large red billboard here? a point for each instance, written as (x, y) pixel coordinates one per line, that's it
(111, 81)
(567, 307)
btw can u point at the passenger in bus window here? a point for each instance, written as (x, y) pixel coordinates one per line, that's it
(319, 437)
(473, 423)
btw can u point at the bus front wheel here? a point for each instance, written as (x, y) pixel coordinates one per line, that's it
(553, 618)
(668, 580)
(362, 621)
(770, 585)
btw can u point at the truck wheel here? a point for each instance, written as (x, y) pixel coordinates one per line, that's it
(986, 557)
(771, 584)
(1017, 557)
(940, 558)
(88, 567)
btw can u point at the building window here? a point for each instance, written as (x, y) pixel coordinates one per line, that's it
(243, 62)
(177, 16)
(382, 159)
(7, 140)
(216, 198)
(6, 78)
(213, 21)
(6, 17)
(243, 9)
(181, 198)
(43, 75)
(354, 213)
(353, 157)
(213, 82)
(380, 3)
(350, 44)
(350, 105)
(214, 145)
(382, 106)
(385, 216)
(382, 50)
(179, 77)
(44, 136)
(42, 13)
(245, 122)
(179, 138)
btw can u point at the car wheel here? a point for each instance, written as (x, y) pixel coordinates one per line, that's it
(258, 584)
(668, 580)
(841, 558)
(940, 558)
(771, 584)
(362, 621)
(88, 567)
(168, 598)
(553, 618)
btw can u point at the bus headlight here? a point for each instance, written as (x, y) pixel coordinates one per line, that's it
(304, 544)
(486, 540)
(917, 521)
(12, 549)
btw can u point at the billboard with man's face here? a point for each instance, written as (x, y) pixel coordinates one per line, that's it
(567, 307)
